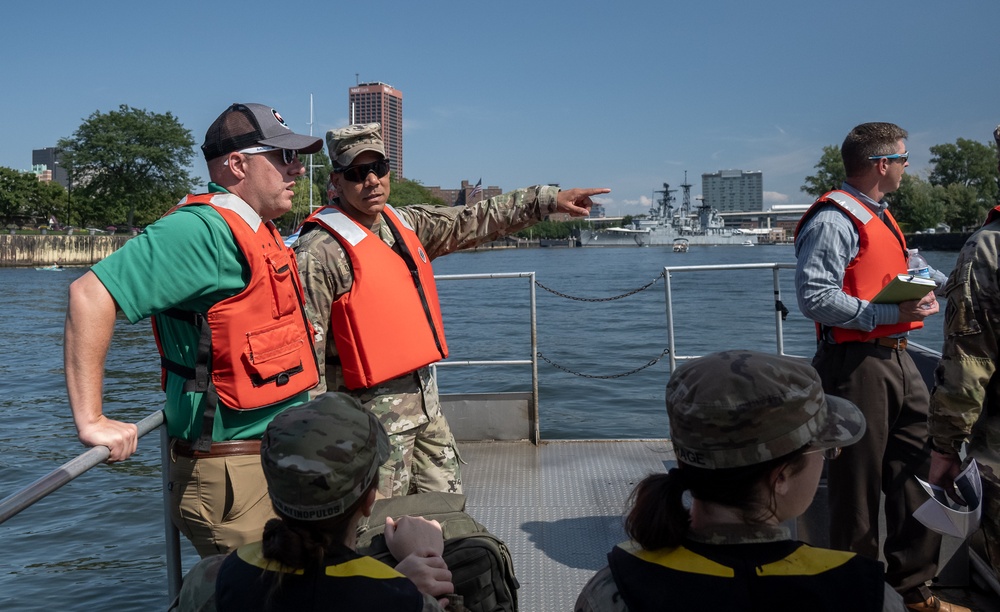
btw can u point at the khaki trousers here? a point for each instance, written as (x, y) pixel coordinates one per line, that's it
(219, 503)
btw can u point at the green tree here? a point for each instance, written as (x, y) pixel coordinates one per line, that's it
(969, 163)
(300, 201)
(915, 205)
(128, 165)
(963, 209)
(49, 200)
(405, 192)
(830, 175)
(16, 194)
(553, 229)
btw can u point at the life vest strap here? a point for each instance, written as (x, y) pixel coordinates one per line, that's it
(404, 252)
(198, 379)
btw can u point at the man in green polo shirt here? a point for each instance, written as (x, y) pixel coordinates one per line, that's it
(214, 272)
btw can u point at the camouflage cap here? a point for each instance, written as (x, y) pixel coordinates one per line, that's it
(320, 457)
(738, 408)
(345, 144)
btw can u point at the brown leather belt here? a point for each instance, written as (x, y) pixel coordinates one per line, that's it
(219, 449)
(898, 344)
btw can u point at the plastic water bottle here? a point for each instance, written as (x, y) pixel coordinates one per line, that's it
(917, 265)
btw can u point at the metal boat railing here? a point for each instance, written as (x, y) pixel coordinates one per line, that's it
(92, 457)
(533, 361)
(13, 504)
(669, 271)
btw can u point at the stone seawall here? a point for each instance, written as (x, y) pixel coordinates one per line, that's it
(35, 250)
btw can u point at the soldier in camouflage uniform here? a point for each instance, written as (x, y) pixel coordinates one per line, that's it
(321, 463)
(424, 456)
(750, 432)
(965, 404)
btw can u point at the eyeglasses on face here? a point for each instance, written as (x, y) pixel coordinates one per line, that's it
(900, 156)
(829, 453)
(288, 156)
(357, 174)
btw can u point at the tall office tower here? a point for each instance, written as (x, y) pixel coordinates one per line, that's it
(381, 103)
(733, 190)
(49, 157)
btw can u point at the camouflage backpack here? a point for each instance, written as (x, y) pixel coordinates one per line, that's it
(480, 563)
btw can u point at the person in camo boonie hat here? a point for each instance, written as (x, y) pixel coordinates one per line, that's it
(319, 458)
(321, 463)
(345, 144)
(751, 432)
(738, 408)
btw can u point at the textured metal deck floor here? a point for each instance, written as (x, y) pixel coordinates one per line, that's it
(558, 506)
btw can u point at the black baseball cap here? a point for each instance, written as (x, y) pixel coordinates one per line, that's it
(245, 125)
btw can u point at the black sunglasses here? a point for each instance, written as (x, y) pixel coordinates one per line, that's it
(357, 174)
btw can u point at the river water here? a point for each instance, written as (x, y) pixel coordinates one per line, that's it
(97, 543)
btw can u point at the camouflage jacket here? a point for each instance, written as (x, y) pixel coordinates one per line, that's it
(965, 404)
(405, 402)
(601, 593)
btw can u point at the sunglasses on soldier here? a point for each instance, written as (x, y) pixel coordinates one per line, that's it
(357, 174)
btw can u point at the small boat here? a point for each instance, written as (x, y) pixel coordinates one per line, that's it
(748, 242)
(681, 245)
(52, 268)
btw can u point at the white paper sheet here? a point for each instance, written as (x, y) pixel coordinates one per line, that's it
(943, 515)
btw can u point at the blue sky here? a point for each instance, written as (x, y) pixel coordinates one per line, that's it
(626, 95)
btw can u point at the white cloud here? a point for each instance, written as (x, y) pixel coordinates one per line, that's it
(773, 197)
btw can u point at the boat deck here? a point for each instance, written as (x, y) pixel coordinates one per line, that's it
(559, 507)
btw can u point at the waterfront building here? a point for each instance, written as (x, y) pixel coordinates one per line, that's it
(42, 172)
(381, 103)
(733, 190)
(49, 157)
(776, 225)
(466, 194)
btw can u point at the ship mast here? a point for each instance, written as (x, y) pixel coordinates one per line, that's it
(664, 202)
(686, 201)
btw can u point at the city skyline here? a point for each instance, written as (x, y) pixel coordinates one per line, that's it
(579, 94)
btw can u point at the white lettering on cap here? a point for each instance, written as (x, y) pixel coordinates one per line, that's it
(690, 456)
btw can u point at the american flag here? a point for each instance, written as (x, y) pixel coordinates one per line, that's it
(477, 190)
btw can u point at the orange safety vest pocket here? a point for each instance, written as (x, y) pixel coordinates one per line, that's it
(274, 354)
(285, 299)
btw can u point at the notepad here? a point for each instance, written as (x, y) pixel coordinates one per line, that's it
(903, 288)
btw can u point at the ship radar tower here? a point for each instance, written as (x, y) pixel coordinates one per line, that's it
(665, 207)
(686, 201)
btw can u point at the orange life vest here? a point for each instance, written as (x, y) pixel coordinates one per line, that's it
(881, 256)
(389, 323)
(992, 216)
(256, 347)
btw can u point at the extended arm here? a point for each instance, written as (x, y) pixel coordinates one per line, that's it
(443, 230)
(90, 323)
